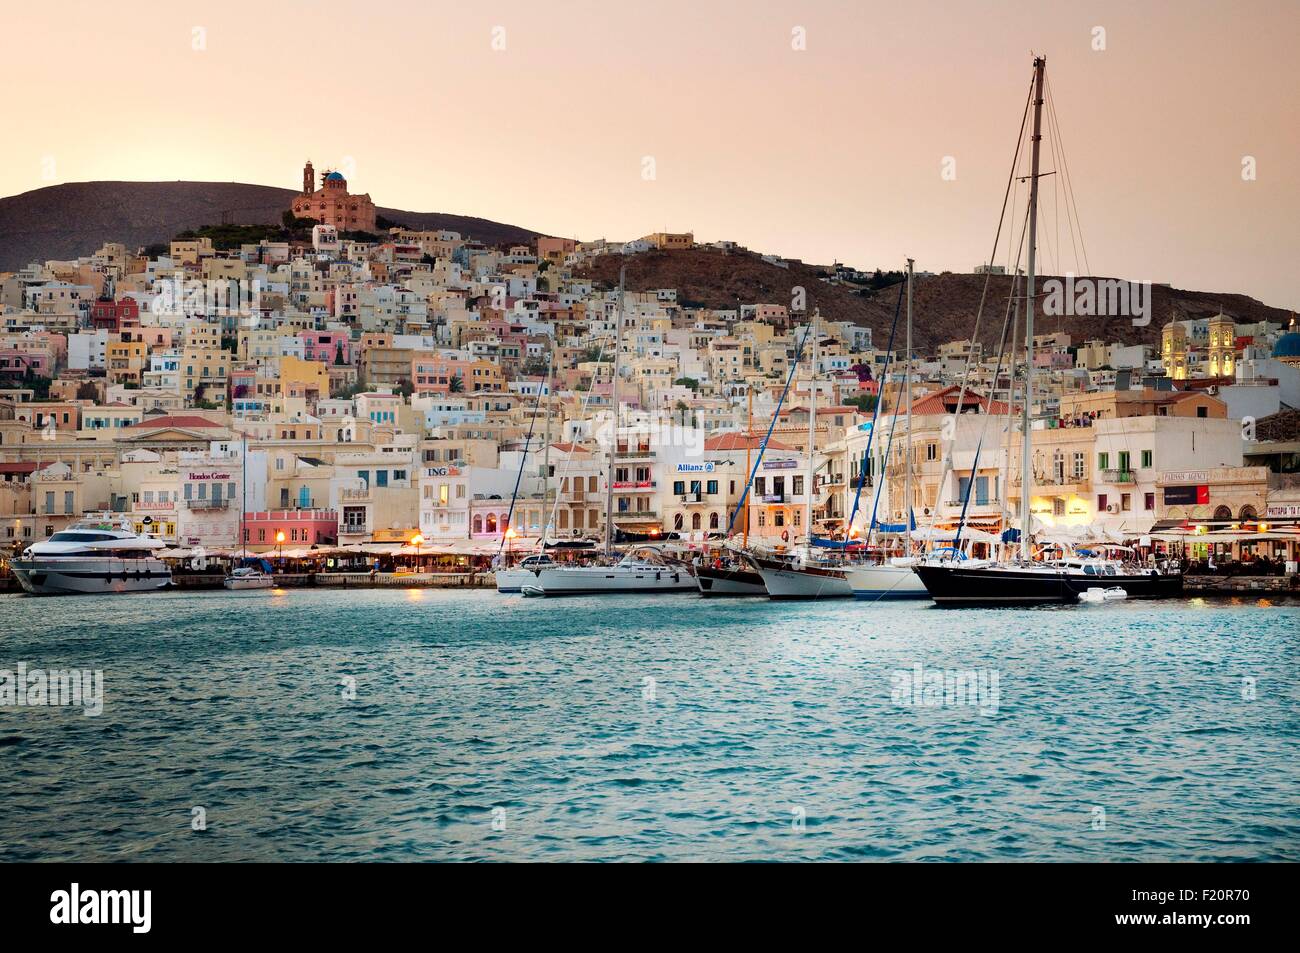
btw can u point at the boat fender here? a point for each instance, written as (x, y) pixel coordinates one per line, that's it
(785, 536)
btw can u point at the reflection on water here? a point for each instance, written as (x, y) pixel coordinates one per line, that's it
(427, 724)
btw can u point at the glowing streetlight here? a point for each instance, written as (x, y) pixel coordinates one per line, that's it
(417, 540)
(279, 547)
(510, 538)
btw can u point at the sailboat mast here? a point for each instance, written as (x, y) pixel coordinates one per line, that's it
(749, 438)
(243, 493)
(812, 427)
(1026, 454)
(613, 399)
(907, 452)
(546, 448)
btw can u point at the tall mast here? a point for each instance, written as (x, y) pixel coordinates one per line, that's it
(243, 492)
(613, 437)
(546, 449)
(812, 427)
(907, 382)
(749, 438)
(1026, 453)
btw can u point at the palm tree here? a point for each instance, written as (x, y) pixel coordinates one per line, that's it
(456, 385)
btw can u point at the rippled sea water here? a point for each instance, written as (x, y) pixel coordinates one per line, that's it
(490, 727)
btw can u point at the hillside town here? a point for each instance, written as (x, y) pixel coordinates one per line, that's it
(365, 393)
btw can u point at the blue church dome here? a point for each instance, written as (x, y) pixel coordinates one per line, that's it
(334, 176)
(1288, 345)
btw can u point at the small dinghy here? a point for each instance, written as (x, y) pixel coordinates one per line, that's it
(1096, 594)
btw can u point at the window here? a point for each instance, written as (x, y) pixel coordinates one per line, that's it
(1078, 465)
(779, 518)
(1149, 501)
(1101, 502)
(1125, 459)
(1126, 501)
(711, 487)
(798, 486)
(760, 486)
(1146, 459)
(1103, 461)
(679, 488)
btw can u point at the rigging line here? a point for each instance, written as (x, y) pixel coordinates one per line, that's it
(1002, 344)
(1069, 179)
(568, 457)
(875, 414)
(1058, 162)
(979, 313)
(514, 495)
(762, 448)
(884, 476)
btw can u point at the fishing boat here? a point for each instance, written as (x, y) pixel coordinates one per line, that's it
(250, 574)
(1026, 581)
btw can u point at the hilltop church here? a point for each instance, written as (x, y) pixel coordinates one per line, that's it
(332, 203)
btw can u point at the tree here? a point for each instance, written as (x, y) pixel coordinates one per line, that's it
(690, 382)
(338, 356)
(863, 402)
(456, 385)
(87, 390)
(405, 387)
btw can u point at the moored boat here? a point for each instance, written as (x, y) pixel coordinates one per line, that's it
(98, 554)
(645, 569)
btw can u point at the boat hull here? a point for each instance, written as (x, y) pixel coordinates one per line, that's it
(90, 575)
(784, 581)
(957, 586)
(254, 582)
(597, 580)
(514, 580)
(886, 582)
(729, 582)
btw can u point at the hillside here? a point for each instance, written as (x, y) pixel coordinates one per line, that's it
(67, 221)
(944, 306)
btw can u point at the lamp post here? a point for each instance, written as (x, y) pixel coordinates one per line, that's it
(416, 541)
(279, 548)
(510, 539)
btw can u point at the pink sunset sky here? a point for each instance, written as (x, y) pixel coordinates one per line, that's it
(830, 152)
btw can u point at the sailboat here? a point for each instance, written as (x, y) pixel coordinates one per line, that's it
(731, 574)
(245, 576)
(809, 572)
(643, 569)
(513, 578)
(1027, 581)
(895, 579)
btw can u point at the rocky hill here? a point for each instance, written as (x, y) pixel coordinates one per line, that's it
(944, 306)
(66, 221)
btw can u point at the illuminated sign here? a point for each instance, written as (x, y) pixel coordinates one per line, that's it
(695, 467)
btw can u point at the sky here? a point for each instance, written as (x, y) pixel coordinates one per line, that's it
(861, 132)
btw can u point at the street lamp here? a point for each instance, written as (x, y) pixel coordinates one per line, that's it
(416, 541)
(279, 548)
(510, 538)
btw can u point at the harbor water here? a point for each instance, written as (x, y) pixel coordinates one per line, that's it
(445, 725)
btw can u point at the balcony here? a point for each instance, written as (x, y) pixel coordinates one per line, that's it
(1118, 476)
(635, 484)
(634, 454)
(689, 498)
(207, 504)
(636, 516)
(361, 494)
(772, 498)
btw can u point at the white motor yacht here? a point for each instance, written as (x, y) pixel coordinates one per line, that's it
(97, 554)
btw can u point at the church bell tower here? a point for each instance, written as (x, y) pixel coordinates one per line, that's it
(308, 179)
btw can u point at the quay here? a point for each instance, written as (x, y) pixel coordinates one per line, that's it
(353, 580)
